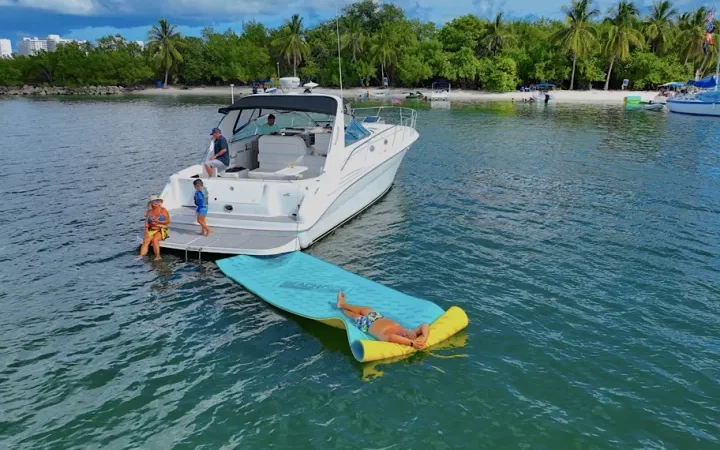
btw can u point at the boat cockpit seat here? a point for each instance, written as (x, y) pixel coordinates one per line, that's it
(314, 164)
(278, 152)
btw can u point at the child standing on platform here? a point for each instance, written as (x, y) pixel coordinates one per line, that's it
(201, 201)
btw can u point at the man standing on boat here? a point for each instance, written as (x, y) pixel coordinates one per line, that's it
(220, 159)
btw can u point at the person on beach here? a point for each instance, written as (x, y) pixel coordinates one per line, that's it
(373, 323)
(220, 159)
(201, 202)
(157, 220)
(270, 127)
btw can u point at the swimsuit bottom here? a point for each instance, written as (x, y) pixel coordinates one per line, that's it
(364, 322)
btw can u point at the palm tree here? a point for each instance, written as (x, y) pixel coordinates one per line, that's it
(621, 34)
(292, 43)
(384, 49)
(659, 26)
(164, 44)
(692, 34)
(579, 35)
(354, 36)
(498, 34)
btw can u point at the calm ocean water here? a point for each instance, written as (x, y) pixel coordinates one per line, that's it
(583, 242)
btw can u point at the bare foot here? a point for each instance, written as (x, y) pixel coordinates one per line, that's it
(340, 299)
(157, 258)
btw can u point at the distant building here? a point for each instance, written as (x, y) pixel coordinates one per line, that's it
(5, 48)
(32, 46)
(141, 44)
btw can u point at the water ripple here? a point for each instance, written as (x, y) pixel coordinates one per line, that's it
(581, 240)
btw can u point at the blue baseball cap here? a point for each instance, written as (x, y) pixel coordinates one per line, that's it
(216, 130)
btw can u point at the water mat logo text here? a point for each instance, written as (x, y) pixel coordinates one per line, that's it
(305, 286)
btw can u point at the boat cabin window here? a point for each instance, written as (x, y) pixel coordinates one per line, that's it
(354, 131)
(250, 121)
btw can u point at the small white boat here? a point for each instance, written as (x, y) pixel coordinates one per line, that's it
(440, 91)
(654, 107)
(284, 192)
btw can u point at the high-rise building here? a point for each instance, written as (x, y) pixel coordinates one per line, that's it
(32, 46)
(5, 48)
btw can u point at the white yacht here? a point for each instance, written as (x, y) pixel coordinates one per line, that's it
(284, 192)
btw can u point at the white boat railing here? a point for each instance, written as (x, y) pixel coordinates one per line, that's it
(401, 118)
(390, 115)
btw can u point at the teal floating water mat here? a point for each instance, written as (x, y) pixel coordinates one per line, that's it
(307, 286)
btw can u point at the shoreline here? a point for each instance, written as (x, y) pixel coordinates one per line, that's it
(558, 96)
(375, 94)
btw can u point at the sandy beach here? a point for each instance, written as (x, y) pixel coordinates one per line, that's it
(559, 96)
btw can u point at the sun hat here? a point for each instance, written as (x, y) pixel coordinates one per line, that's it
(154, 198)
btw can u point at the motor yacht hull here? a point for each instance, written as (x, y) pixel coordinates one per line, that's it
(358, 193)
(357, 197)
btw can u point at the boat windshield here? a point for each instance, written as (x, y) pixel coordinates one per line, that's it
(354, 131)
(250, 121)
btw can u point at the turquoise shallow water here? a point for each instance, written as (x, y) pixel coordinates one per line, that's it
(581, 240)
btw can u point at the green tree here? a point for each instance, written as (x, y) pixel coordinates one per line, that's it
(647, 70)
(353, 36)
(464, 31)
(164, 44)
(621, 34)
(46, 64)
(692, 36)
(498, 74)
(195, 67)
(659, 26)
(291, 42)
(464, 67)
(579, 35)
(9, 75)
(383, 48)
(497, 35)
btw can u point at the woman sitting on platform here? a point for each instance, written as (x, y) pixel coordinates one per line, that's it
(157, 220)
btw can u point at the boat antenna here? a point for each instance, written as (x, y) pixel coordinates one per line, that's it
(337, 28)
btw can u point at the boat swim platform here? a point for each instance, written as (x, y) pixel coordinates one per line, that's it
(307, 286)
(230, 241)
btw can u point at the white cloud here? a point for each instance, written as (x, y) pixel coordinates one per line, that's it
(74, 7)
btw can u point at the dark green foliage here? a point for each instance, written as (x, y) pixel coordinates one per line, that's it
(471, 52)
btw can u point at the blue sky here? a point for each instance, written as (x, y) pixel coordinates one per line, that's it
(90, 19)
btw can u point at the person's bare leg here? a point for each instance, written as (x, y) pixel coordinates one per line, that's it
(156, 245)
(350, 314)
(204, 230)
(358, 310)
(145, 245)
(203, 224)
(208, 169)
